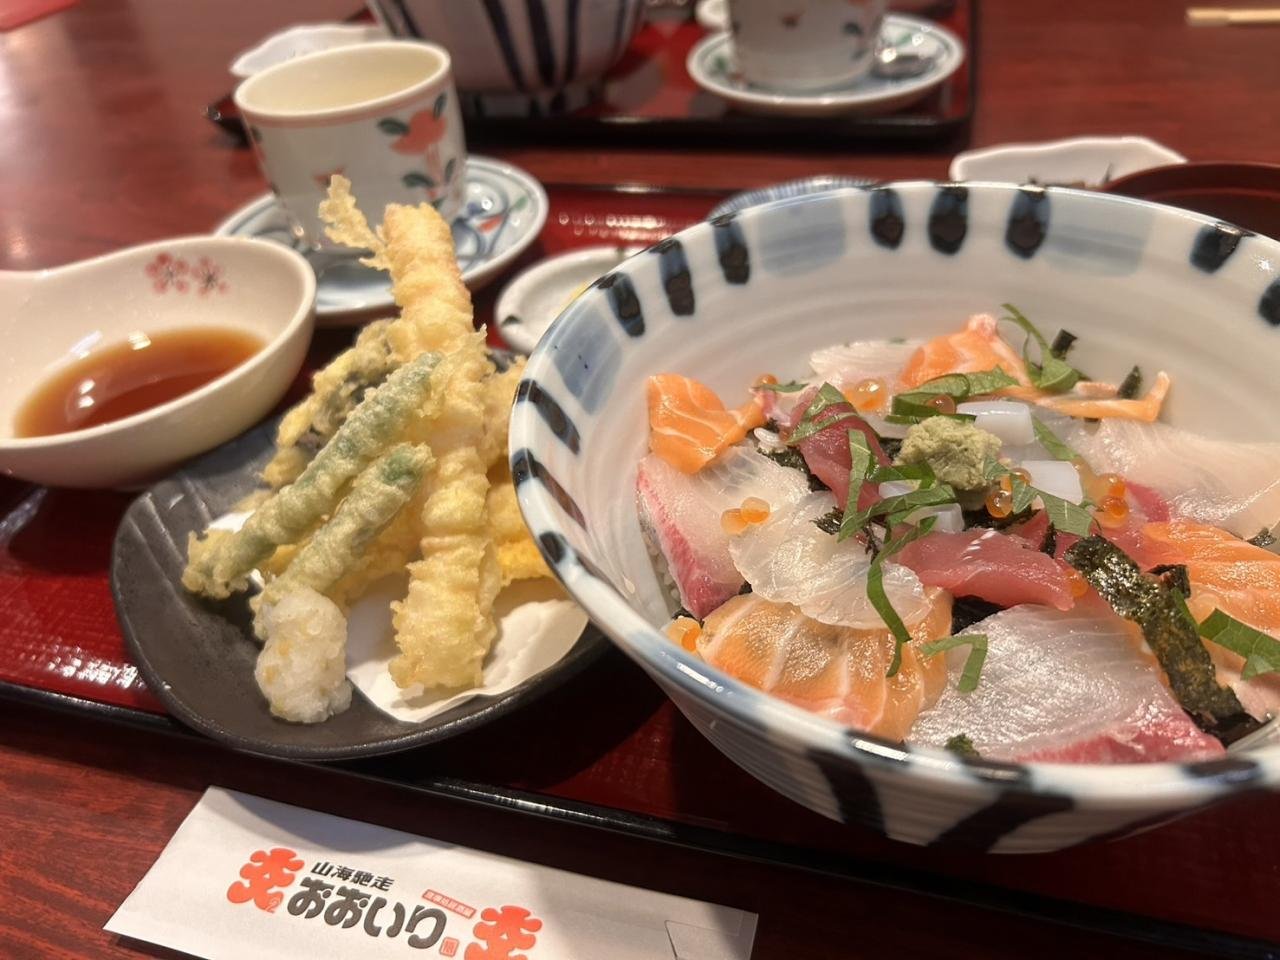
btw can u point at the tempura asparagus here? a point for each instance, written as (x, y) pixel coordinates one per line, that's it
(218, 565)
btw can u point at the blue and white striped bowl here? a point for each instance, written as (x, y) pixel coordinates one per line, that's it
(530, 47)
(755, 292)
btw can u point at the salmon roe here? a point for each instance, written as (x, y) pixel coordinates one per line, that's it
(869, 395)
(1112, 511)
(1021, 475)
(942, 403)
(685, 631)
(999, 502)
(754, 510)
(765, 379)
(1076, 583)
(732, 523)
(1112, 484)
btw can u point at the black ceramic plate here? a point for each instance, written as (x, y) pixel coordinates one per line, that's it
(198, 657)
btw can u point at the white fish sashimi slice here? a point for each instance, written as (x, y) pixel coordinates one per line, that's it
(680, 515)
(843, 365)
(1231, 485)
(789, 559)
(1067, 687)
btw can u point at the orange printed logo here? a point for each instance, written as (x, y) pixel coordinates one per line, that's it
(502, 932)
(264, 876)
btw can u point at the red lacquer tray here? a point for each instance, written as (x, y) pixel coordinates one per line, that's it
(608, 750)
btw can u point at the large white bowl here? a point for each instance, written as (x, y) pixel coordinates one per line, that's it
(50, 318)
(743, 295)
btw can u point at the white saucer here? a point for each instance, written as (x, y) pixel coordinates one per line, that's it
(710, 64)
(537, 295)
(504, 213)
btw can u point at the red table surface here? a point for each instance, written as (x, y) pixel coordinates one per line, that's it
(635, 753)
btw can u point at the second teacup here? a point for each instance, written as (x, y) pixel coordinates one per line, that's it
(384, 115)
(805, 45)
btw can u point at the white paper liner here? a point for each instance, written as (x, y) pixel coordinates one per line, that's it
(537, 627)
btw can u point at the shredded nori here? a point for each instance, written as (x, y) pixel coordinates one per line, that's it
(1062, 343)
(1130, 385)
(891, 446)
(979, 517)
(966, 611)
(1170, 632)
(1262, 538)
(682, 612)
(744, 589)
(1174, 576)
(962, 746)
(1049, 544)
(830, 522)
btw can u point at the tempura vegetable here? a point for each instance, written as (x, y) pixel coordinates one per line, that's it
(376, 497)
(302, 669)
(395, 461)
(218, 565)
(335, 391)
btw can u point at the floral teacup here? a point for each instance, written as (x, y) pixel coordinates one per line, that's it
(384, 115)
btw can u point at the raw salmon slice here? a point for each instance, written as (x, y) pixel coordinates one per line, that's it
(838, 672)
(1232, 575)
(689, 425)
(976, 348)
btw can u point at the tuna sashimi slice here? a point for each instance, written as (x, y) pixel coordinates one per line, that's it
(680, 517)
(990, 565)
(1069, 687)
(1219, 482)
(827, 451)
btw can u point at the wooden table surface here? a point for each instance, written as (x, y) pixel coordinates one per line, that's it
(102, 144)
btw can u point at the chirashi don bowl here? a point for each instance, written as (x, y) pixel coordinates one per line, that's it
(727, 300)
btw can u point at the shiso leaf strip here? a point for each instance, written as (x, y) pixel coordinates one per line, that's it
(1052, 373)
(862, 462)
(1049, 440)
(1066, 516)
(972, 672)
(912, 406)
(826, 398)
(794, 386)
(1169, 630)
(1261, 652)
(880, 600)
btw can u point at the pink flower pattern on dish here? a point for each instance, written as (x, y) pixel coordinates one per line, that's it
(168, 272)
(165, 271)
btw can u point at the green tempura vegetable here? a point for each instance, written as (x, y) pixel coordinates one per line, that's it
(218, 565)
(375, 498)
(956, 451)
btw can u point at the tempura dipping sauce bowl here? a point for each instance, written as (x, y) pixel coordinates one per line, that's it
(50, 319)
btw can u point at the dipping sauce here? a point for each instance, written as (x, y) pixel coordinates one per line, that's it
(142, 372)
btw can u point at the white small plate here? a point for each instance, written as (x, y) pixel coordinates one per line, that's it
(712, 14)
(504, 213)
(536, 296)
(710, 64)
(1092, 161)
